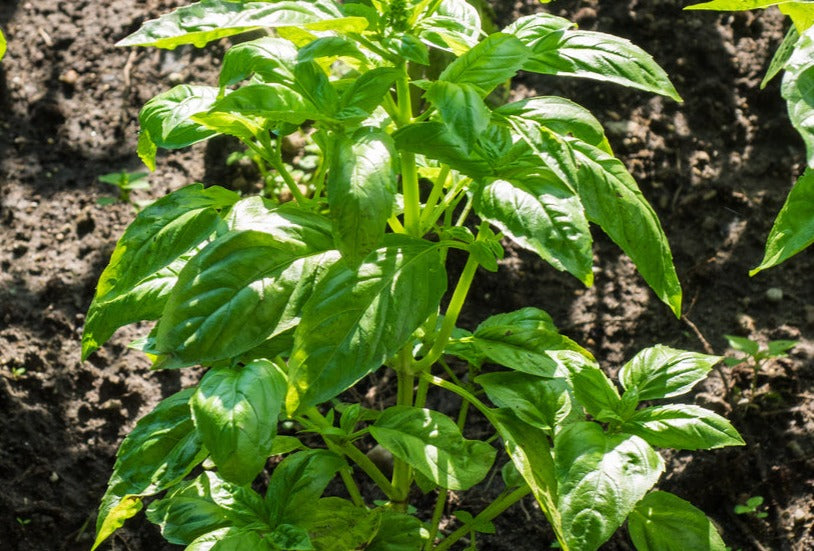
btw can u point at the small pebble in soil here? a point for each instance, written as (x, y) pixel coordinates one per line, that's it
(799, 515)
(69, 77)
(54, 477)
(774, 294)
(746, 323)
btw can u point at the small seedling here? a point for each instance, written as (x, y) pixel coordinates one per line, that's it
(756, 356)
(17, 373)
(23, 521)
(752, 507)
(126, 182)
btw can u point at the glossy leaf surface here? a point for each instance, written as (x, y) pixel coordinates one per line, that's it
(683, 427)
(297, 482)
(664, 372)
(493, 61)
(798, 90)
(272, 59)
(665, 522)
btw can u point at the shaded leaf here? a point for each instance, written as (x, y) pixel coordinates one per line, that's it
(665, 522)
(297, 482)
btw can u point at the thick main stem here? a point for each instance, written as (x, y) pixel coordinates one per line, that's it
(402, 475)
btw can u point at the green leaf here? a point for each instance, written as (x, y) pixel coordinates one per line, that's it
(435, 140)
(798, 90)
(398, 532)
(297, 482)
(462, 109)
(542, 403)
(290, 537)
(735, 5)
(683, 427)
(743, 344)
(244, 288)
(335, 524)
(781, 55)
(271, 59)
(550, 150)
(793, 229)
(160, 451)
(331, 47)
(235, 412)
(166, 120)
(312, 83)
(361, 187)
(145, 263)
(778, 349)
(601, 477)
(204, 505)
(613, 201)
(663, 372)
(800, 13)
(561, 116)
(3, 45)
(357, 319)
(409, 47)
(665, 522)
(559, 50)
(539, 30)
(432, 444)
(596, 393)
(454, 27)
(210, 20)
(521, 340)
(365, 94)
(230, 539)
(493, 61)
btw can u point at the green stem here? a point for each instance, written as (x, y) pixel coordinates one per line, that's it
(421, 393)
(353, 489)
(437, 512)
(503, 502)
(432, 200)
(409, 171)
(460, 391)
(274, 156)
(456, 303)
(402, 474)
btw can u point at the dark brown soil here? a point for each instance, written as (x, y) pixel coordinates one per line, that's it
(716, 168)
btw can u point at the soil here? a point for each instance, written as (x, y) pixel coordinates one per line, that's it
(716, 168)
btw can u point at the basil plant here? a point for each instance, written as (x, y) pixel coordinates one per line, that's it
(290, 305)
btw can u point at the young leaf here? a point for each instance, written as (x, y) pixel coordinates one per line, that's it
(206, 505)
(682, 427)
(454, 27)
(357, 319)
(160, 451)
(363, 97)
(235, 411)
(331, 47)
(361, 187)
(297, 482)
(539, 30)
(335, 524)
(798, 90)
(596, 393)
(793, 229)
(410, 48)
(145, 263)
(210, 20)
(613, 201)
(166, 120)
(663, 372)
(542, 403)
(398, 532)
(665, 522)
(244, 288)
(435, 140)
(272, 59)
(742, 344)
(312, 83)
(781, 55)
(431, 443)
(600, 479)
(551, 150)
(494, 61)
(462, 109)
(3, 45)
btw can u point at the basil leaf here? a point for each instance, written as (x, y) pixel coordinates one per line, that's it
(734, 5)
(235, 412)
(612, 200)
(230, 539)
(335, 524)
(493, 61)
(454, 27)
(542, 216)
(462, 109)
(312, 83)
(663, 372)
(398, 532)
(665, 522)
(145, 263)
(210, 20)
(781, 56)
(435, 140)
(432, 443)
(365, 94)
(600, 479)
(331, 47)
(798, 90)
(297, 482)
(683, 427)
(271, 59)
(361, 187)
(793, 229)
(357, 319)
(596, 393)
(160, 451)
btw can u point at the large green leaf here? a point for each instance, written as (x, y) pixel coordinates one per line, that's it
(561, 116)
(492, 62)
(600, 479)
(543, 216)
(361, 186)
(235, 411)
(272, 59)
(551, 151)
(357, 319)
(462, 109)
(166, 120)
(558, 49)
(665, 522)
(543, 403)
(297, 482)
(209, 20)
(793, 229)
(435, 140)
(613, 201)
(244, 288)
(159, 452)
(433, 445)
(233, 539)
(336, 524)
(798, 90)
(664, 372)
(205, 505)
(399, 532)
(313, 83)
(145, 263)
(683, 427)
(521, 340)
